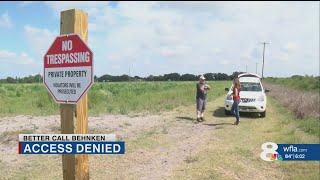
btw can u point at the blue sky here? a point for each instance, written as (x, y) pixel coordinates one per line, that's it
(164, 37)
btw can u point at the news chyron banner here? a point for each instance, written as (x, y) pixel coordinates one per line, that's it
(70, 144)
(290, 152)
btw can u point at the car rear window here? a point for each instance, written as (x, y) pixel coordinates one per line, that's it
(250, 86)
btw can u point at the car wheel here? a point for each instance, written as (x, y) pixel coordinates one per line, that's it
(227, 113)
(263, 114)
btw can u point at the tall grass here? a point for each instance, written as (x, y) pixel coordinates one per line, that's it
(303, 105)
(106, 98)
(29, 99)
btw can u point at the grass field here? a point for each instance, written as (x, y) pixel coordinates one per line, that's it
(163, 142)
(105, 98)
(171, 146)
(305, 83)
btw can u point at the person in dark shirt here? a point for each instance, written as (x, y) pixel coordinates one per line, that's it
(201, 98)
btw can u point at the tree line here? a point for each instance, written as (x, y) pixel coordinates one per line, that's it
(124, 78)
(28, 79)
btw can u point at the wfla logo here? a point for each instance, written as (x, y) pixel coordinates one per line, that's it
(270, 154)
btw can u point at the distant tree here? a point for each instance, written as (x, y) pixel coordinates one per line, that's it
(165, 77)
(171, 76)
(297, 77)
(105, 78)
(209, 76)
(188, 77)
(10, 80)
(137, 78)
(221, 76)
(159, 78)
(37, 78)
(235, 74)
(150, 78)
(124, 77)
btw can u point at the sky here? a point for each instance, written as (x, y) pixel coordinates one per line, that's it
(165, 37)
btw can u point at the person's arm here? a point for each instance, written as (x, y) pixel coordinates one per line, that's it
(233, 91)
(202, 88)
(236, 92)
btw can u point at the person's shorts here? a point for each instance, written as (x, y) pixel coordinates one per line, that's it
(201, 104)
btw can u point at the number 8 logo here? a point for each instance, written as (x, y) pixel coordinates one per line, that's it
(267, 150)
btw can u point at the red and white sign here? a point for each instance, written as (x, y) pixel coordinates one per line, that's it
(68, 69)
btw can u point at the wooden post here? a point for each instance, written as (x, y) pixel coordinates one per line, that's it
(75, 166)
(67, 127)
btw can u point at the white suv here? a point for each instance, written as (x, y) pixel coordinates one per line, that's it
(252, 94)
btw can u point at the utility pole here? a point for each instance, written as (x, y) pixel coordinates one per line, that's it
(246, 68)
(264, 47)
(129, 73)
(256, 68)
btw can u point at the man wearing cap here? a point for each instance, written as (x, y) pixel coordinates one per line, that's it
(201, 97)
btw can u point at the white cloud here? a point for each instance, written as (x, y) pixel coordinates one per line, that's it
(224, 30)
(224, 62)
(58, 6)
(202, 35)
(217, 50)
(11, 57)
(39, 40)
(5, 20)
(6, 54)
(115, 67)
(25, 3)
(101, 16)
(290, 47)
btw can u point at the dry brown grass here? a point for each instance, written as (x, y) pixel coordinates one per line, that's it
(302, 104)
(7, 136)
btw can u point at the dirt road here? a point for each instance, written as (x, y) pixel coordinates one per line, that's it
(167, 146)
